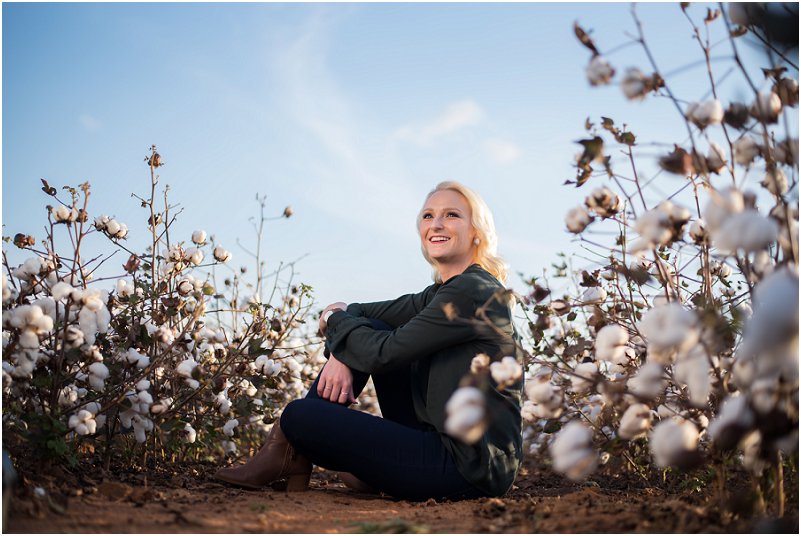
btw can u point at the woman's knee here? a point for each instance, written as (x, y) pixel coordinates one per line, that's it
(299, 418)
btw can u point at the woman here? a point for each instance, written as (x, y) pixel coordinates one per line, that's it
(417, 348)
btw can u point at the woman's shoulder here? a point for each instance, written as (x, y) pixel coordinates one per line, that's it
(476, 279)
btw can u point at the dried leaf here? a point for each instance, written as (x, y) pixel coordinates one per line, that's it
(679, 162)
(583, 176)
(593, 148)
(450, 310)
(739, 31)
(589, 279)
(775, 73)
(627, 138)
(584, 38)
(711, 15)
(49, 190)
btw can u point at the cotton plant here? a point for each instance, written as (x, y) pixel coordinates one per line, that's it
(680, 347)
(138, 357)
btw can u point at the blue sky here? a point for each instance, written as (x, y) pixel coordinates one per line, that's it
(350, 113)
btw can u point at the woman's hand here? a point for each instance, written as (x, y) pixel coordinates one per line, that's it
(336, 382)
(333, 307)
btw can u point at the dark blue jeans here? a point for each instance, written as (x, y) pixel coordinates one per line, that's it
(396, 454)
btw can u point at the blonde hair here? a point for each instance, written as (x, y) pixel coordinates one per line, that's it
(486, 254)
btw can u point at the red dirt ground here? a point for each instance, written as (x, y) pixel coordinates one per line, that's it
(189, 501)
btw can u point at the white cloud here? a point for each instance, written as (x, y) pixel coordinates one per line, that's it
(456, 116)
(353, 175)
(90, 123)
(502, 152)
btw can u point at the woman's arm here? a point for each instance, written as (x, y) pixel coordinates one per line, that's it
(394, 312)
(445, 321)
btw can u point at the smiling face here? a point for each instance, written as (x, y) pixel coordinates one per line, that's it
(446, 231)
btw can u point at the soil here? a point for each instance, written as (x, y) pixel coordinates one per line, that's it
(188, 500)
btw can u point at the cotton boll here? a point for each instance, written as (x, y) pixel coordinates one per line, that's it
(587, 372)
(124, 288)
(98, 372)
(528, 412)
(766, 107)
(466, 414)
(659, 226)
(28, 339)
(764, 394)
(112, 227)
(229, 447)
(185, 287)
(228, 429)
(733, 420)
(194, 256)
(593, 408)
(83, 423)
(479, 363)
(599, 72)
(635, 422)
(649, 382)
(506, 372)
(122, 232)
(693, 370)
(706, 113)
(64, 214)
(786, 152)
(672, 441)
(61, 290)
(221, 254)
(248, 389)
(720, 269)
(577, 219)
(604, 202)
(775, 182)
(161, 406)
(135, 358)
(752, 447)
(722, 206)
(222, 402)
(715, 157)
(199, 237)
(141, 426)
(185, 367)
(668, 329)
(175, 254)
(572, 452)
(775, 318)
(593, 296)
(610, 344)
(546, 397)
(634, 84)
(745, 151)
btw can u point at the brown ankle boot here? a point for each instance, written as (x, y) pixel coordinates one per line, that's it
(275, 460)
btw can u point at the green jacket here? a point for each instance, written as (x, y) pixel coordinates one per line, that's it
(439, 352)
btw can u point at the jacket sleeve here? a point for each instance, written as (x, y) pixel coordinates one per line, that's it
(394, 312)
(445, 321)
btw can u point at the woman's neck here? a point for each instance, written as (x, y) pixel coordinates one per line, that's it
(450, 270)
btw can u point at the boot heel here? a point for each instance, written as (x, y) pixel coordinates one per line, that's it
(298, 482)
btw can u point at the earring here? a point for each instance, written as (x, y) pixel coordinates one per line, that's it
(476, 241)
